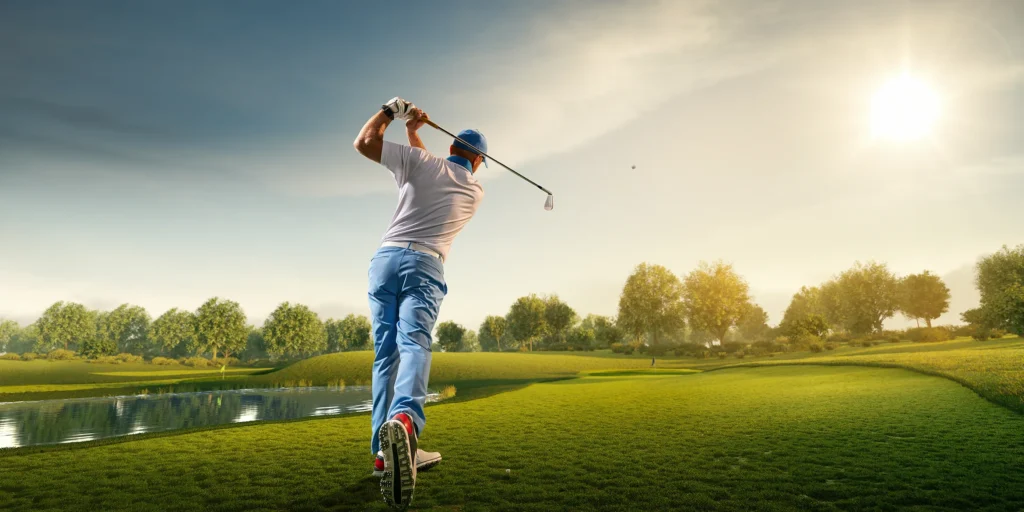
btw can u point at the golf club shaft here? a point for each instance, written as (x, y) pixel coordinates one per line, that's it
(433, 124)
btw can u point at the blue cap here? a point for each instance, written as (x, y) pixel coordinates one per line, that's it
(475, 138)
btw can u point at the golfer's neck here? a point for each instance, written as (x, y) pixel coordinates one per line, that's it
(461, 161)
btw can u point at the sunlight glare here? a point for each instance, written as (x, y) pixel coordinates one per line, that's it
(904, 109)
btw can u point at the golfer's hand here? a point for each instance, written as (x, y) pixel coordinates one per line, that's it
(417, 118)
(400, 108)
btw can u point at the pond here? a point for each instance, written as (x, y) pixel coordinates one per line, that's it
(85, 419)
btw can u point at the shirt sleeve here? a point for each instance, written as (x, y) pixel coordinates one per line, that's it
(398, 158)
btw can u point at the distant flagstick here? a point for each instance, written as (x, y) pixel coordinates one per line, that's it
(548, 204)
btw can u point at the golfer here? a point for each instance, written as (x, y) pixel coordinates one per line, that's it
(436, 198)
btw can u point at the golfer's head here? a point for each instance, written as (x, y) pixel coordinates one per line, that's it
(479, 145)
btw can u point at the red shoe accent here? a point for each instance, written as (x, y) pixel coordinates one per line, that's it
(378, 464)
(407, 421)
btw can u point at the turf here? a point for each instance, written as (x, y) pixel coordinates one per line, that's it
(779, 438)
(41, 379)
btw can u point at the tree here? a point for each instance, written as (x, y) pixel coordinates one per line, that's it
(220, 326)
(335, 343)
(869, 294)
(753, 324)
(255, 345)
(492, 331)
(526, 321)
(294, 330)
(65, 326)
(1000, 280)
(354, 333)
(24, 340)
(127, 328)
(581, 338)
(715, 298)
(173, 332)
(470, 342)
(651, 302)
(9, 329)
(605, 330)
(100, 343)
(559, 317)
(450, 336)
(924, 296)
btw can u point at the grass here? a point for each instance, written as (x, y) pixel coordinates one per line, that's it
(778, 438)
(993, 369)
(41, 379)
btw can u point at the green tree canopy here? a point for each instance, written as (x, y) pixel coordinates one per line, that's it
(651, 302)
(295, 330)
(9, 329)
(220, 327)
(526, 320)
(715, 298)
(924, 296)
(492, 331)
(470, 341)
(255, 345)
(101, 343)
(174, 331)
(753, 324)
(450, 336)
(354, 333)
(869, 294)
(581, 338)
(1000, 280)
(605, 330)
(24, 340)
(126, 328)
(559, 317)
(65, 325)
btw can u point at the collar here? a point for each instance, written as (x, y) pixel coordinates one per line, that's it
(455, 159)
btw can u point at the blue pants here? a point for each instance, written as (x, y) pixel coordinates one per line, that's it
(406, 289)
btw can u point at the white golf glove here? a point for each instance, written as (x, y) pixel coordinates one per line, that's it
(399, 108)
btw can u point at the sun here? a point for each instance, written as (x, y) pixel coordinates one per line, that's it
(904, 109)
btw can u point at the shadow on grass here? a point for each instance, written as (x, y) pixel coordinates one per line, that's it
(644, 372)
(358, 495)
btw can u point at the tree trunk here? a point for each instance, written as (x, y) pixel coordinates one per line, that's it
(214, 354)
(927, 321)
(919, 323)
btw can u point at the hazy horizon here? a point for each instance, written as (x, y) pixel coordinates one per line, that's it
(163, 154)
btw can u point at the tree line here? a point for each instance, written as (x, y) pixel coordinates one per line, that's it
(218, 328)
(711, 306)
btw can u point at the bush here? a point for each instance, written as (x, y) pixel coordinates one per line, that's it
(815, 347)
(766, 347)
(163, 361)
(981, 334)
(892, 336)
(958, 331)
(11, 356)
(928, 334)
(196, 361)
(104, 360)
(804, 341)
(739, 354)
(840, 337)
(722, 355)
(28, 356)
(230, 361)
(830, 346)
(733, 346)
(60, 355)
(998, 333)
(619, 348)
(657, 350)
(125, 357)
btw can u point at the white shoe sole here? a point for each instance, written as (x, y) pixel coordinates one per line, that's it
(420, 466)
(399, 478)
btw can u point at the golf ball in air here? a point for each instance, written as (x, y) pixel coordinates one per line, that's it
(508, 471)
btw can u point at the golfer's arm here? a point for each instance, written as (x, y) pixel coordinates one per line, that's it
(370, 142)
(415, 140)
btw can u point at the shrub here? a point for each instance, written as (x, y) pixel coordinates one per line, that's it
(840, 337)
(196, 361)
(958, 331)
(230, 361)
(722, 355)
(815, 347)
(757, 351)
(125, 357)
(804, 341)
(766, 347)
(104, 360)
(739, 354)
(657, 350)
(981, 334)
(998, 333)
(163, 361)
(28, 356)
(830, 346)
(60, 355)
(927, 334)
(733, 346)
(618, 348)
(782, 340)
(11, 356)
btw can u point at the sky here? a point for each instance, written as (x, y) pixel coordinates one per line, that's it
(162, 153)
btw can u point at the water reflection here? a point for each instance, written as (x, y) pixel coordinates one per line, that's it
(77, 420)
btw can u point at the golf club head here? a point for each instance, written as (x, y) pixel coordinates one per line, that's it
(550, 203)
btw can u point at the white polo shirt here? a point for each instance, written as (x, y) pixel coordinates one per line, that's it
(436, 197)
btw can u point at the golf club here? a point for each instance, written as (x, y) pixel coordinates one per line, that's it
(548, 204)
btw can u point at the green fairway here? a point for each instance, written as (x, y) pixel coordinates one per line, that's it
(786, 438)
(41, 379)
